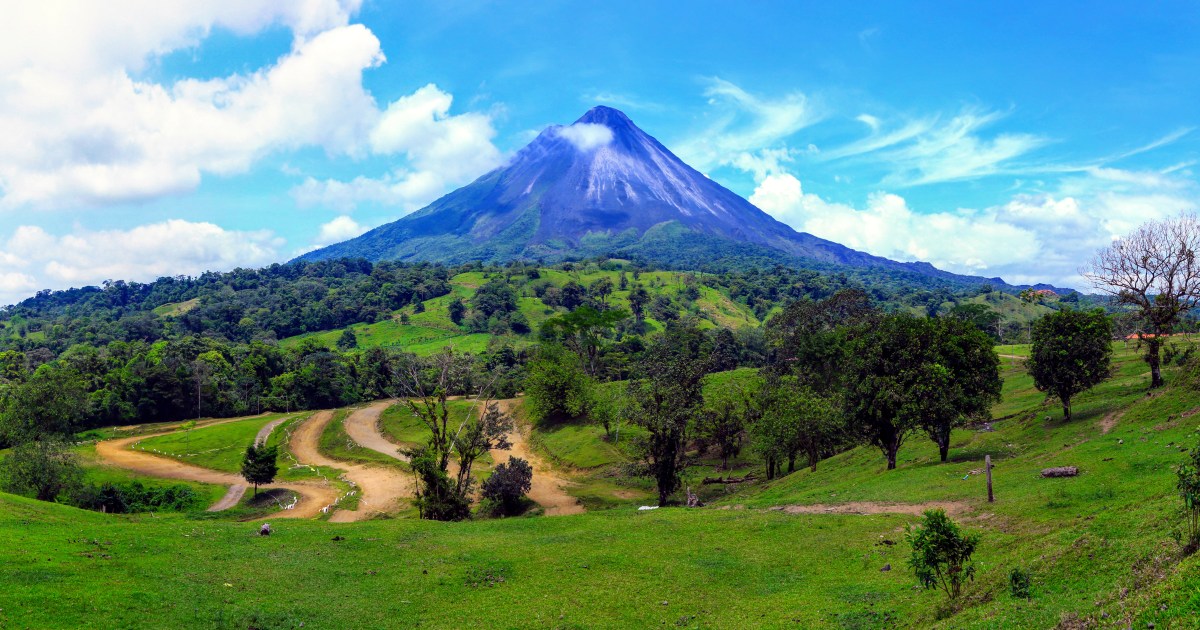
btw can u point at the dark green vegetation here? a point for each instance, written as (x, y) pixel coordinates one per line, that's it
(1071, 353)
(260, 465)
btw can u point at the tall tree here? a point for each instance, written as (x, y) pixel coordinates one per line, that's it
(1156, 271)
(556, 387)
(638, 299)
(960, 379)
(1072, 352)
(795, 420)
(888, 367)
(583, 331)
(667, 399)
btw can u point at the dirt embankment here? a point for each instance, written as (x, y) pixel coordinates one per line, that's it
(872, 507)
(381, 488)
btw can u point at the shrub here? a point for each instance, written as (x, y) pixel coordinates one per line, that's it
(1189, 490)
(941, 553)
(1018, 583)
(508, 484)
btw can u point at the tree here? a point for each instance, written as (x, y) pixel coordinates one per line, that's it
(731, 406)
(638, 299)
(600, 290)
(981, 315)
(888, 368)
(425, 386)
(1188, 486)
(1072, 352)
(941, 553)
(807, 339)
(1156, 271)
(508, 484)
(795, 420)
(51, 403)
(260, 465)
(556, 386)
(43, 469)
(724, 350)
(583, 331)
(957, 381)
(457, 309)
(348, 340)
(496, 297)
(666, 400)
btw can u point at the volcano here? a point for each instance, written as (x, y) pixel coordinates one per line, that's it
(600, 186)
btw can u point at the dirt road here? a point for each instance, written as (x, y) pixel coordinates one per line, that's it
(363, 428)
(548, 489)
(265, 433)
(313, 495)
(872, 507)
(381, 488)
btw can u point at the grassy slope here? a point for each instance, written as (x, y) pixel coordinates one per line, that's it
(1084, 539)
(220, 447)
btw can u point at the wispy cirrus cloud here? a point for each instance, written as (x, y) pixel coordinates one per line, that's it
(744, 123)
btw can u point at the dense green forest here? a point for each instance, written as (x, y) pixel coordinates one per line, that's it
(324, 334)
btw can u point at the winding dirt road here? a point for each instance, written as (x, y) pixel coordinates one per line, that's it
(872, 507)
(363, 428)
(382, 489)
(313, 495)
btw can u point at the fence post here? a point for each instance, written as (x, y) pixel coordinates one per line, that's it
(987, 462)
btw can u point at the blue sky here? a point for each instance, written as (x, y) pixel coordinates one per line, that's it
(1008, 140)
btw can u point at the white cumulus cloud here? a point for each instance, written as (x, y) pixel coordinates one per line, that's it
(586, 136)
(33, 259)
(1030, 238)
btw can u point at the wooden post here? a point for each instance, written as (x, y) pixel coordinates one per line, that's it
(987, 463)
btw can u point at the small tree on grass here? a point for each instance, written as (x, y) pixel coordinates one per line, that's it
(259, 465)
(508, 484)
(1189, 490)
(1072, 352)
(348, 340)
(941, 553)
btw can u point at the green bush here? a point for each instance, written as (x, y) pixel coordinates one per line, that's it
(1019, 583)
(941, 553)
(1189, 490)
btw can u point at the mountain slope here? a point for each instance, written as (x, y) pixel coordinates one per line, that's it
(598, 186)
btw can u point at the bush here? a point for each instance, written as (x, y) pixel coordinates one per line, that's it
(1189, 491)
(121, 498)
(941, 553)
(1019, 583)
(508, 484)
(43, 469)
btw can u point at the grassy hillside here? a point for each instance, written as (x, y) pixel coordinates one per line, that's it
(1101, 547)
(428, 331)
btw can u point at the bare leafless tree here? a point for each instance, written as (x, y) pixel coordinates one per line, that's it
(1155, 271)
(425, 386)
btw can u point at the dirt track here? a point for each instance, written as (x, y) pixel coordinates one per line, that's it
(313, 496)
(872, 507)
(381, 488)
(548, 490)
(363, 428)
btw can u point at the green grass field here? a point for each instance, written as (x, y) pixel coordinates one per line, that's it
(1101, 547)
(219, 447)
